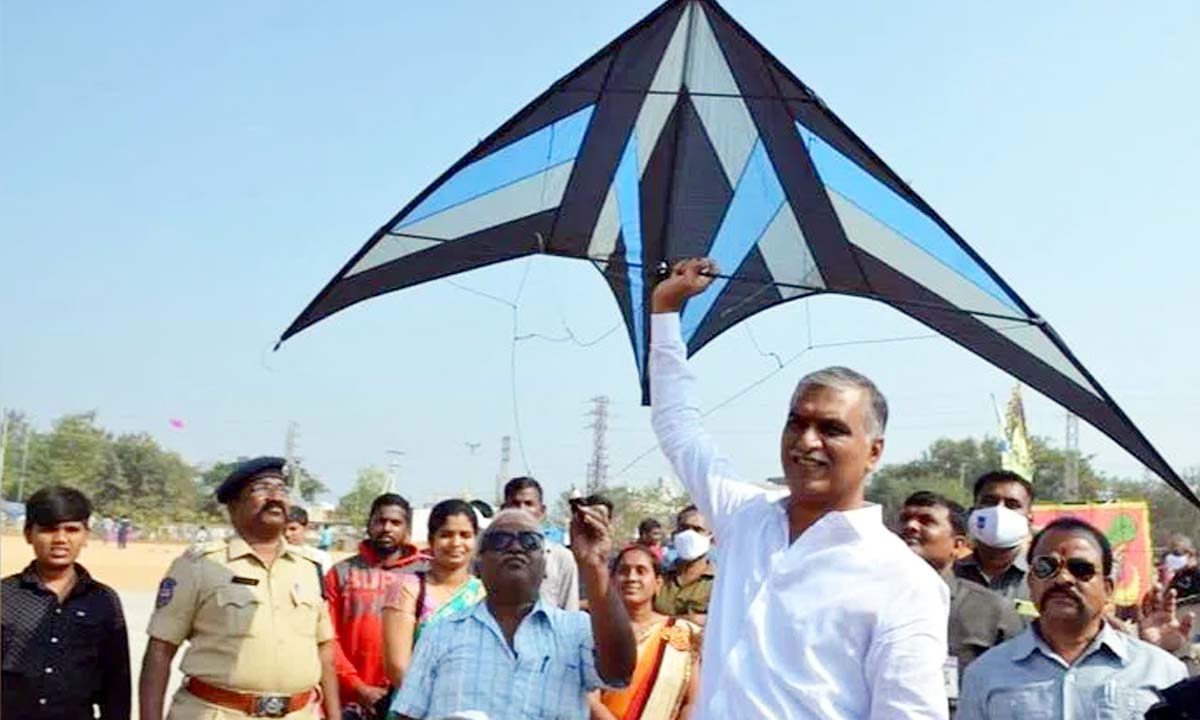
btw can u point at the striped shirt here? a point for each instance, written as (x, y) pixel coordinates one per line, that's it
(464, 663)
(1024, 679)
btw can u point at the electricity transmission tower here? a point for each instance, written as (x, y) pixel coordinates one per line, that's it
(393, 476)
(1071, 469)
(291, 443)
(502, 472)
(597, 470)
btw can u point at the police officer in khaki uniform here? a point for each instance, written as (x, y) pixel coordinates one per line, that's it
(260, 639)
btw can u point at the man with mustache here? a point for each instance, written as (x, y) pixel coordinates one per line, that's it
(260, 642)
(1070, 663)
(356, 589)
(819, 611)
(935, 528)
(514, 655)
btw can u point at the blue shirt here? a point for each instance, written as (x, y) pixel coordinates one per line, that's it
(1024, 678)
(463, 663)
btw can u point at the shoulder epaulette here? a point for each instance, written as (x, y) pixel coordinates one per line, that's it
(305, 552)
(199, 550)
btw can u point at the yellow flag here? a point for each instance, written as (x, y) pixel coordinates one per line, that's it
(1017, 454)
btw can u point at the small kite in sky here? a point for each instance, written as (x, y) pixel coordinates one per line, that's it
(685, 137)
(176, 423)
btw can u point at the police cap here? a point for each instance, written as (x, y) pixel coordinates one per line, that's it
(246, 471)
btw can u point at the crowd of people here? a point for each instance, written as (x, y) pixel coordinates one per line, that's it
(751, 603)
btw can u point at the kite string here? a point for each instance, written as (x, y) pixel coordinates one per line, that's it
(514, 310)
(818, 346)
(512, 365)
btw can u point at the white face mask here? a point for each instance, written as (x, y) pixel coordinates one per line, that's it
(998, 527)
(1175, 561)
(690, 545)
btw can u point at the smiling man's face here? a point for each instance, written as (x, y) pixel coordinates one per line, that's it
(827, 448)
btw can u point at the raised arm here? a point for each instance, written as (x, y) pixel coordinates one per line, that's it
(675, 413)
(616, 649)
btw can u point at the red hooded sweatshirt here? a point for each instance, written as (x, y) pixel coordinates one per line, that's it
(355, 589)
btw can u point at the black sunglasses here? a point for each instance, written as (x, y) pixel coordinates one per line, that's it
(1047, 566)
(501, 540)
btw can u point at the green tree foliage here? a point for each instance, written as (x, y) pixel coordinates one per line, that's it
(1169, 513)
(308, 486)
(631, 505)
(354, 505)
(155, 485)
(127, 475)
(950, 467)
(207, 485)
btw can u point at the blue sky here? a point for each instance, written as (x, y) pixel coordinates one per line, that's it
(181, 180)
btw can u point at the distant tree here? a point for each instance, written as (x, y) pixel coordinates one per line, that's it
(156, 486)
(354, 505)
(951, 466)
(631, 505)
(1170, 514)
(24, 444)
(206, 489)
(77, 452)
(308, 486)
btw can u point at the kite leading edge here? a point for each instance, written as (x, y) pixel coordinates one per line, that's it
(685, 137)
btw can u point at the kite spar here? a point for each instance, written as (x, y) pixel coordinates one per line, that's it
(685, 137)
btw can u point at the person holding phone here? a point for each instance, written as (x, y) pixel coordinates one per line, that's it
(514, 655)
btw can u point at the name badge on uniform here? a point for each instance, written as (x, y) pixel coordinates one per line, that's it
(950, 677)
(244, 580)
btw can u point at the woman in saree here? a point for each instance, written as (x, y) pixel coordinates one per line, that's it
(418, 600)
(667, 674)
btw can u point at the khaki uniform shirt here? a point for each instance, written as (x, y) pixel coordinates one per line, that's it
(677, 600)
(251, 628)
(1010, 584)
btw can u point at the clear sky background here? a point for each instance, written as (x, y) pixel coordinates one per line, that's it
(180, 180)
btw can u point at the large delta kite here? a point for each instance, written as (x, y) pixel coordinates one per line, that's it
(685, 137)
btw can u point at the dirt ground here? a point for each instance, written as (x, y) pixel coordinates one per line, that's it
(137, 568)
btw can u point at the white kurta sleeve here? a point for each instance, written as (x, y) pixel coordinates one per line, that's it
(704, 471)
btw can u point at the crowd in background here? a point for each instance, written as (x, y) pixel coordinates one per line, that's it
(751, 603)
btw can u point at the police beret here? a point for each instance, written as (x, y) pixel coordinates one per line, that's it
(246, 471)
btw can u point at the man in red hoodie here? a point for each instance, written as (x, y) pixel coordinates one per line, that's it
(355, 588)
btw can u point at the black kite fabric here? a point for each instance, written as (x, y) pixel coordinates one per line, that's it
(685, 137)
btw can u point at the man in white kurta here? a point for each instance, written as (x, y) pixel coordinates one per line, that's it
(818, 610)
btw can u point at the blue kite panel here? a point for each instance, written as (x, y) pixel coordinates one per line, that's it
(535, 153)
(845, 177)
(629, 207)
(756, 201)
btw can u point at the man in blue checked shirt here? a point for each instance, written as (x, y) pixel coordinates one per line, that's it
(512, 655)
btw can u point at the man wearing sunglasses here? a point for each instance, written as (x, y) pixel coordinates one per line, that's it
(514, 655)
(260, 641)
(1070, 663)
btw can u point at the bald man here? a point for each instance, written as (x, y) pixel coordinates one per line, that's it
(514, 655)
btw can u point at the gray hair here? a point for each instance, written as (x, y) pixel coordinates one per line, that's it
(510, 515)
(843, 378)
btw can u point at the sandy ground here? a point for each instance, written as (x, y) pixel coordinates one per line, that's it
(133, 572)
